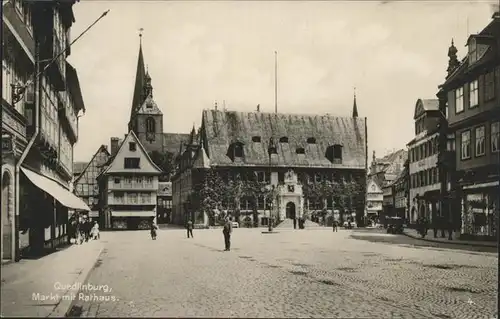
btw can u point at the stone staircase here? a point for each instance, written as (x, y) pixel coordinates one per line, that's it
(288, 224)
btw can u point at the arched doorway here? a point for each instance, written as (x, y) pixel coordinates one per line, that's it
(6, 216)
(290, 210)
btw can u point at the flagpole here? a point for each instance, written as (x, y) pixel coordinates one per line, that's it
(275, 82)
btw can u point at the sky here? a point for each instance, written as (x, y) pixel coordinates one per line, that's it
(199, 52)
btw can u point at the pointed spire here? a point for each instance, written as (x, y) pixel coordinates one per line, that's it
(192, 136)
(140, 76)
(354, 107)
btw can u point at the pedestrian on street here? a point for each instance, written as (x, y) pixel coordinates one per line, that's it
(334, 224)
(189, 227)
(227, 230)
(95, 231)
(294, 223)
(153, 230)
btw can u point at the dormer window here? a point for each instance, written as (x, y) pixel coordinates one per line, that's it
(311, 140)
(300, 150)
(256, 139)
(235, 150)
(284, 139)
(472, 50)
(334, 153)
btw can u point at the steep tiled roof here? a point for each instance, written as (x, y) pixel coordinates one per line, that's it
(172, 141)
(222, 128)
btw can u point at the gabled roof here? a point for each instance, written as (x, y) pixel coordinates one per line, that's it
(101, 149)
(369, 189)
(165, 189)
(120, 155)
(425, 105)
(220, 128)
(149, 107)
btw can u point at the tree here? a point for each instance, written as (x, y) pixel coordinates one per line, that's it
(165, 161)
(255, 191)
(211, 192)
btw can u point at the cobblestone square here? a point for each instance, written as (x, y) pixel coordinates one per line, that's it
(306, 273)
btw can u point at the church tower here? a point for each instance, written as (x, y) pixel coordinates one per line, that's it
(146, 119)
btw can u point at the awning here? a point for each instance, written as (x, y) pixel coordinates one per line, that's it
(62, 195)
(137, 213)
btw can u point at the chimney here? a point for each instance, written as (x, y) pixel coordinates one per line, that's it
(115, 143)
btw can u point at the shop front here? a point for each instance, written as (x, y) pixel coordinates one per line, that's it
(132, 220)
(480, 211)
(43, 221)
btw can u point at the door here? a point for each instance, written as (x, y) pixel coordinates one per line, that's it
(290, 210)
(6, 216)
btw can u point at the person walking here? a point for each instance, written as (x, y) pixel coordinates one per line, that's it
(153, 230)
(227, 230)
(294, 223)
(334, 224)
(189, 227)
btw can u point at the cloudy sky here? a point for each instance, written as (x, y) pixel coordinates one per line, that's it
(198, 52)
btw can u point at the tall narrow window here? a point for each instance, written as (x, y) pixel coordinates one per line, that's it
(465, 143)
(473, 94)
(489, 86)
(480, 144)
(150, 125)
(495, 136)
(459, 100)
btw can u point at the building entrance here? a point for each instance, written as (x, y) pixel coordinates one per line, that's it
(290, 210)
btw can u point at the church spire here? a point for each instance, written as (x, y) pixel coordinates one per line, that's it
(140, 77)
(354, 107)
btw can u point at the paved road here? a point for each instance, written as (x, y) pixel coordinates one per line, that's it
(289, 274)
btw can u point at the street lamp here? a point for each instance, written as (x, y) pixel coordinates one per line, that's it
(271, 150)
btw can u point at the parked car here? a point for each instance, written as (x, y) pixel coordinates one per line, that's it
(235, 225)
(353, 224)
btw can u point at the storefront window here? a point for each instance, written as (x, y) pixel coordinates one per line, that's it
(481, 214)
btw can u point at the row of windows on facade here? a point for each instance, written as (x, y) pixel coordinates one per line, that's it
(333, 152)
(265, 176)
(134, 198)
(473, 101)
(136, 180)
(424, 178)
(165, 203)
(87, 189)
(245, 204)
(480, 141)
(424, 150)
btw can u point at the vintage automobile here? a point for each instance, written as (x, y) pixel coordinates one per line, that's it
(394, 225)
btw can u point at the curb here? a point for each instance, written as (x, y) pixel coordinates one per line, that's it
(64, 306)
(453, 242)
